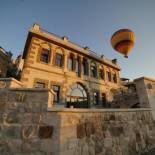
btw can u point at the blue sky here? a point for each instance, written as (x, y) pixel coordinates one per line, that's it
(88, 23)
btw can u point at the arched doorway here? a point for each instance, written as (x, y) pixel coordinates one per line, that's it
(77, 96)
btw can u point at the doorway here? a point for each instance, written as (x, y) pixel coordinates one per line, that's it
(104, 100)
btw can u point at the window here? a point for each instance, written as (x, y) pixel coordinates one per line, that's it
(71, 63)
(93, 70)
(44, 56)
(56, 89)
(40, 85)
(101, 74)
(59, 60)
(85, 68)
(109, 76)
(104, 101)
(114, 78)
(95, 98)
(78, 69)
(77, 96)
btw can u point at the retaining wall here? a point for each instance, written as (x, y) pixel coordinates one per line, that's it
(28, 127)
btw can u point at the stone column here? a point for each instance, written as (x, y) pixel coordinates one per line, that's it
(88, 67)
(74, 62)
(104, 72)
(51, 56)
(97, 70)
(118, 78)
(65, 61)
(80, 66)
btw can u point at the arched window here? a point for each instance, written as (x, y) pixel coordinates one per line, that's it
(78, 67)
(85, 67)
(114, 78)
(101, 73)
(44, 55)
(93, 70)
(109, 76)
(77, 96)
(59, 58)
(71, 62)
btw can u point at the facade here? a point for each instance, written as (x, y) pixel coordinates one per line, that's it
(5, 58)
(146, 91)
(77, 75)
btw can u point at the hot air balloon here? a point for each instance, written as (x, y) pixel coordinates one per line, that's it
(123, 41)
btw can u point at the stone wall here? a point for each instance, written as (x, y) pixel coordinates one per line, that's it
(10, 83)
(28, 127)
(4, 61)
(105, 132)
(124, 98)
(146, 92)
(24, 125)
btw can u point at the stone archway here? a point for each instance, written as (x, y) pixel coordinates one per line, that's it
(77, 96)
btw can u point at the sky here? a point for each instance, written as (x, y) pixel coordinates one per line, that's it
(88, 23)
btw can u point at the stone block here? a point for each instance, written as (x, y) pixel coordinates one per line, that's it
(14, 107)
(48, 118)
(2, 104)
(32, 108)
(68, 132)
(112, 117)
(98, 147)
(45, 132)
(49, 146)
(25, 118)
(1, 118)
(81, 132)
(85, 150)
(108, 142)
(116, 131)
(72, 143)
(36, 118)
(12, 117)
(90, 129)
(11, 132)
(33, 145)
(108, 151)
(4, 147)
(15, 145)
(66, 152)
(29, 132)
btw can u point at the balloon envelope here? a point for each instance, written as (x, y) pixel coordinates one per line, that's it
(123, 41)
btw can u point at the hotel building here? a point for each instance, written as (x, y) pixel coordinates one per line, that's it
(78, 76)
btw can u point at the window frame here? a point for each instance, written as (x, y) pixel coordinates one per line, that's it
(85, 67)
(78, 67)
(93, 73)
(57, 93)
(48, 55)
(95, 98)
(109, 78)
(115, 78)
(101, 74)
(60, 64)
(70, 63)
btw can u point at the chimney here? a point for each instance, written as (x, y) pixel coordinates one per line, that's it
(102, 56)
(86, 48)
(114, 61)
(36, 27)
(66, 39)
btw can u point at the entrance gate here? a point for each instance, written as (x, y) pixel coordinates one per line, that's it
(77, 96)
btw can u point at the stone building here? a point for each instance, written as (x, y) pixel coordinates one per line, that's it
(146, 92)
(5, 58)
(78, 76)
